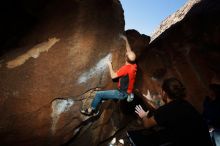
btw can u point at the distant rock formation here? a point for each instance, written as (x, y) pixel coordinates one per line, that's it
(174, 18)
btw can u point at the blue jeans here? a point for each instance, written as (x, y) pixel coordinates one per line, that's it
(108, 94)
(215, 135)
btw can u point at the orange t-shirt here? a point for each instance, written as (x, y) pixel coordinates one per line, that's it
(127, 75)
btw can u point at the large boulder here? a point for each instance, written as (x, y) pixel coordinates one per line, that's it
(63, 56)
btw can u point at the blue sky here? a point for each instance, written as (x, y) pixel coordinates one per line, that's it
(146, 15)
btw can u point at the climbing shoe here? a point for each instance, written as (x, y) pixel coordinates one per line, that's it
(89, 112)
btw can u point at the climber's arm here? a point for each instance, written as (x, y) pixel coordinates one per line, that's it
(113, 74)
(128, 47)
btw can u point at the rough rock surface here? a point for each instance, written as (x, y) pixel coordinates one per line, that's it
(174, 18)
(63, 56)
